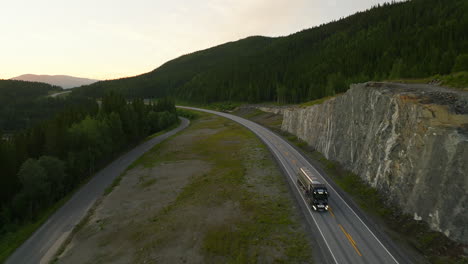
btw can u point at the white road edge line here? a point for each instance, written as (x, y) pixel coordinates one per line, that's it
(308, 209)
(344, 203)
(310, 165)
(282, 163)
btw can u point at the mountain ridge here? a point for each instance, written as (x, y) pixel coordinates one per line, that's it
(412, 39)
(64, 81)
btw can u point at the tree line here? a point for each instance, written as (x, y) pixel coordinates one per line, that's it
(23, 104)
(413, 39)
(42, 164)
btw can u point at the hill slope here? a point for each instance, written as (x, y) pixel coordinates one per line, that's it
(23, 104)
(411, 39)
(63, 81)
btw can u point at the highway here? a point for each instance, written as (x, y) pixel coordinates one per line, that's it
(44, 243)
(344, 233)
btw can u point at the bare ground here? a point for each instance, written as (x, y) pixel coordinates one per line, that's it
(211, 194)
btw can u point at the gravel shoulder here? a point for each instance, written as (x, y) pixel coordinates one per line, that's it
(211, 194)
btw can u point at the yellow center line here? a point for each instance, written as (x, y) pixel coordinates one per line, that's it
(351, 240)
(331, 211)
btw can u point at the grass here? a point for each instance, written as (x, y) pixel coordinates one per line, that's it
(225, 106)
(163, 131)
(192, 115)
(114, 184)
(264, 223)
(139, 161)
(146, 181)
(147, 160)
(457, 80)
(318, 101)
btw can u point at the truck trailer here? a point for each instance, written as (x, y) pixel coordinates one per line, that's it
(316, 193)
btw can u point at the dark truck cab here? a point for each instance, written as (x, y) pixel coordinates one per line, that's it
(316, 193)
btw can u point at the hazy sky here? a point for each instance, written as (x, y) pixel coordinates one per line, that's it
(106, 39)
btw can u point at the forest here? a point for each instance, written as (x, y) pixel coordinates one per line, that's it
(42, 164)
(413, 39)
(23, 104)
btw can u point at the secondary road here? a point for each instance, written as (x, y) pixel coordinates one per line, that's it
(344, 234)
(44, 243)
(57, 94)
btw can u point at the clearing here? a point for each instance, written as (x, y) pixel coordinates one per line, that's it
(210, 194)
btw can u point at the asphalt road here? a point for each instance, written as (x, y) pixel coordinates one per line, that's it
(44, 243)
(57, 94)
(342, 235)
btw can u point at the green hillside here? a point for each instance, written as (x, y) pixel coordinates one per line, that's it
(414, 39)
(19, 103)
(23, 104)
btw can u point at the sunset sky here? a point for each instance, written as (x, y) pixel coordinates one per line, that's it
(107, 39)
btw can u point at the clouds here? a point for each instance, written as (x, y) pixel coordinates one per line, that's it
(115, 38)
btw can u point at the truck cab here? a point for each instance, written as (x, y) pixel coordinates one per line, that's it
(316, 193)
(318, 196)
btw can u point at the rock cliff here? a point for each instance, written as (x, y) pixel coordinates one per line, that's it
(408, 141)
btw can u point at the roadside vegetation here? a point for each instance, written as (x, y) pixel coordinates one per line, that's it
(192, 115)
(233, 207)
(25, 104)
(434, 246)
(457, 80)
(317, 101)
(45, 163)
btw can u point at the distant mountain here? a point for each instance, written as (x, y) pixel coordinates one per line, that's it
(410, 39)
(63, 81)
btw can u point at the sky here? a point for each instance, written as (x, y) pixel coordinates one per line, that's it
(108, 39)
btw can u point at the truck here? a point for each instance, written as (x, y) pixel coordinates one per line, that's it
(316, 193)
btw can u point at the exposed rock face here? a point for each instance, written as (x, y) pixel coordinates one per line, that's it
(409, 141)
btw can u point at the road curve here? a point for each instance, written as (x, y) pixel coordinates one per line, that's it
(44, 243)
(57, 94)
(344, 234)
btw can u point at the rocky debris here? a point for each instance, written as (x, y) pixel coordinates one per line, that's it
(410, 141)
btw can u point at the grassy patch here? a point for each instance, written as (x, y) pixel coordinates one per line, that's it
(458, 80)
(114, 184)
(455, 80)
(271, 120)
(318, 101)
(147, 182)
(254, 113)
(189, 114)
(262, 226)
(148, 159)
(226, 106)
(163, 131)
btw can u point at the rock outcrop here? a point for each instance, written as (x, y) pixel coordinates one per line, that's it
(408, 141)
